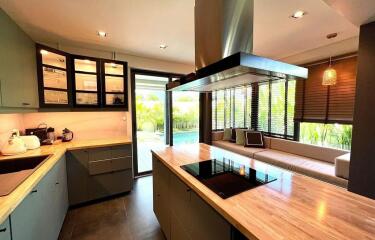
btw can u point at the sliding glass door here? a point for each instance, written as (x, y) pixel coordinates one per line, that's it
(150, 109)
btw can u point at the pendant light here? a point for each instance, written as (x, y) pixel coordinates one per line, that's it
(329, 75)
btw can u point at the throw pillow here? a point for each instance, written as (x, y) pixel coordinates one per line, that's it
(240, 136)
(254, 139)
(227, 134)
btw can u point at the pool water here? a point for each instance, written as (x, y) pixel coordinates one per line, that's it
(185, 137)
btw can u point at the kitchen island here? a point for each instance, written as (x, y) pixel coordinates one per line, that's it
(292, 207)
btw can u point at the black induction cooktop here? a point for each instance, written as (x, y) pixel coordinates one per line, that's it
(226, 177)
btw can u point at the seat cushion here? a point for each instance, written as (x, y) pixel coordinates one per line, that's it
(307, 150)
(342, 166)
(314, 168)
(246, 151)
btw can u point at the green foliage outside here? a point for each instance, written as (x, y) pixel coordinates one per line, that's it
(330, 135)
(150, 112)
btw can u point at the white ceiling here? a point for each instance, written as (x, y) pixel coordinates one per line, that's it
(138, 27)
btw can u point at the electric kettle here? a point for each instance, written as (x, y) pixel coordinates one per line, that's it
(15, 145)
(67, 135)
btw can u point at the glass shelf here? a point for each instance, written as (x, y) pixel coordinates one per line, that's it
(85, 65)
(86, 98)
(54, 77)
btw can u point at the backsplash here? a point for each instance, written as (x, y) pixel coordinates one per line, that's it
(85, 125)
(7, 123)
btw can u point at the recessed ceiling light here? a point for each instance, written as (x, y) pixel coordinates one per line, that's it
(102, 34)
(331, 35)
(298, 14)
(163, 46)
(43, 52)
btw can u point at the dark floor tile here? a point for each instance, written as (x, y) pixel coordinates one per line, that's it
(128, 217)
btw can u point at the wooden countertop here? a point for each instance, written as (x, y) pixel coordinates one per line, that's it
(292, 207)
(10, 202)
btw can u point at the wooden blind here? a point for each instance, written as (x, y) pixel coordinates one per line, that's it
(328, 104)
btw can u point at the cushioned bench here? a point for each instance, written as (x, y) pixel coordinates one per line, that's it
(314, 161)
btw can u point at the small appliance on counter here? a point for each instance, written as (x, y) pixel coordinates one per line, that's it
(31, 142)
(15, 145)
(45, 134)
(67, 135)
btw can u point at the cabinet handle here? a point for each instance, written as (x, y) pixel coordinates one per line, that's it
(3, 230)
(188, 190)
(26, 104)
(57, 183)
(34, 191)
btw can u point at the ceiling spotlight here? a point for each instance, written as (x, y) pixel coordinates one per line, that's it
(298, 14)
(163, 46)
(102, 34)
(43, 52)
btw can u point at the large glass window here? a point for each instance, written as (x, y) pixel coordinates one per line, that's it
(266, 106)
(231, 108)
(329, 135)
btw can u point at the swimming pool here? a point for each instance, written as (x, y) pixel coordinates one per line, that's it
(185, 137)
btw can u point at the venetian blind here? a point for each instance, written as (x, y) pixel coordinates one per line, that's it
(318, 103)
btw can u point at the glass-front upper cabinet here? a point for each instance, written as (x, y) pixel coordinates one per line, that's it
(86, 81)
(114, 84)
(54, 85)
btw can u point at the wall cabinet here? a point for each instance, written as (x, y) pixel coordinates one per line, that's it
(67, 80)
(5, 233)
(99, 172)
(46, 205)
(182, 214)
(53, 79)
(18, 81)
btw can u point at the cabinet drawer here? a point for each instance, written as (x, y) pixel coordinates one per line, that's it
(5, 230)
(123, 163)
(108, 184)
(122, 151)
(100, 166)
(100, 153)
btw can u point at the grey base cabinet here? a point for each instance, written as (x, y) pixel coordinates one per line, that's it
(5, 230)
(41, 214)
(99, 172)
(182, 214)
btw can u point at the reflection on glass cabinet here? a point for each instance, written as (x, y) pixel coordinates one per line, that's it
(53, 77)
(86, 78)
(114, 87)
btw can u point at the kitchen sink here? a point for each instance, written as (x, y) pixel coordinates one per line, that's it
(20, 164)
(16, 170)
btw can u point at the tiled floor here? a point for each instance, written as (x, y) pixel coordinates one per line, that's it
(126, 217)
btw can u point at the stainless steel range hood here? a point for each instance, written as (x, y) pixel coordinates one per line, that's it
(223, 50)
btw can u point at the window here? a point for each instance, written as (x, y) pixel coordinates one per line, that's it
(266, 106)
(328, 135)
(231, 108)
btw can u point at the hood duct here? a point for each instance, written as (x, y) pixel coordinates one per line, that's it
(223, 47)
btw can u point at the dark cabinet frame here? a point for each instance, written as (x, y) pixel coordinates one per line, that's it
(125, 79)
(41, 87)
(71, 86)
(98, 82)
